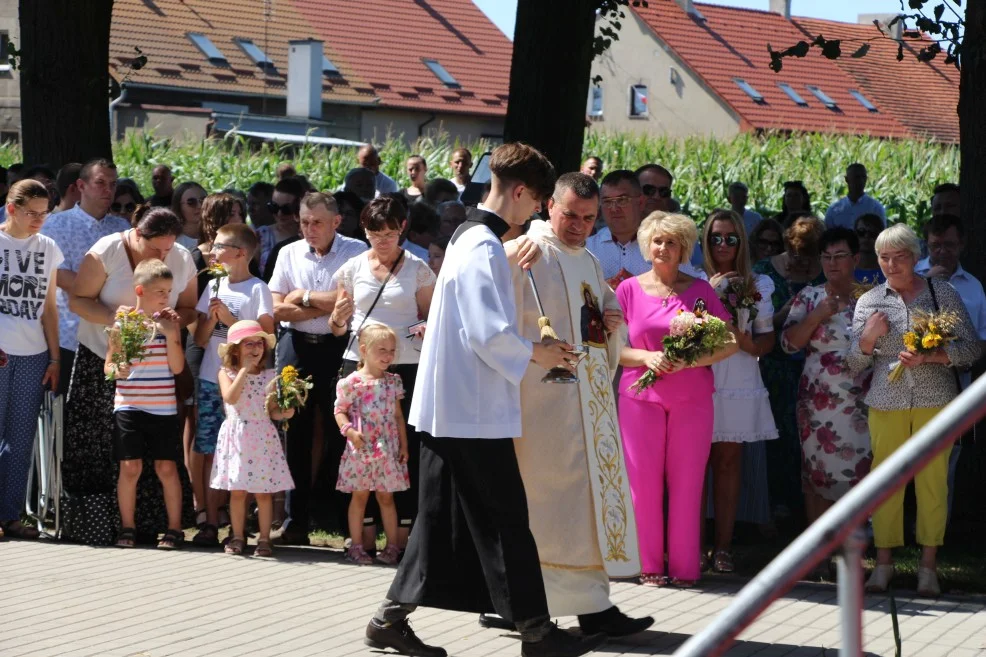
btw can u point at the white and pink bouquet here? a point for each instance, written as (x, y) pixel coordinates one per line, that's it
(740, 297)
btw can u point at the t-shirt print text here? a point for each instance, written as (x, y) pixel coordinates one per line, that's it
(22, 283)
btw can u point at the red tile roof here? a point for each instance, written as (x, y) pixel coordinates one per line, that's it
(922, 96)
(378, 46)
(727, 43)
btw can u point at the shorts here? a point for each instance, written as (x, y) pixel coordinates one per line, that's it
(211, 416)
(142, 435)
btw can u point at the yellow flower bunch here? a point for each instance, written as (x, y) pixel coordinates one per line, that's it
(929, 331)
(131, 330)
(289, 375)
(218, 271)
(288, 390)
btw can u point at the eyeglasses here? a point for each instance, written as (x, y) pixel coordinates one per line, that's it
(833, 258)
(223, 245)
(732, 239)
(769, 244)
(287, 208)
(195, 201)
(943, 246)
(34, 215)
(128, 208)
(388, 236)
(872, 234)
(623, 201)
(650, 190)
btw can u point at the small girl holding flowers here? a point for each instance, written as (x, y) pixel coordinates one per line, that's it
(369, 416)
(248, 455)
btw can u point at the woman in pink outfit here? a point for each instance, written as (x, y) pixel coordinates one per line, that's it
(667, 428)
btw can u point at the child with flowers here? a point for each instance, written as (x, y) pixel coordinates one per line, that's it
(369, 416)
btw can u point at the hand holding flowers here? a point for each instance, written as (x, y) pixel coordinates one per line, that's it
(218, 271)
(740, 297)
(929, 334)
(288, 392)
(130, 332)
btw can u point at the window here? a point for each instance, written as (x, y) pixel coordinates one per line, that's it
(442, 74)
(824, 97)
(211, 52)
(638, 100)
(863, 100)
(9, 137)
(749, 90)
(329, 69)
(595, 100)
(4, 56)
(256, 54)
(792, 94)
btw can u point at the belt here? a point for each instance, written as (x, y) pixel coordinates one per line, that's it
(312, 338)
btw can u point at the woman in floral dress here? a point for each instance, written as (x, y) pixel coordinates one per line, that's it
(835, 438)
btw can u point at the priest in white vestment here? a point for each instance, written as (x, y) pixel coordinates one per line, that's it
(570, 453)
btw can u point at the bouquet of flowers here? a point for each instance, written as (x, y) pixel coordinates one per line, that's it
(218, 271)
(288, 390)
(929, 331)
(740, 297)
(131, 330)
(691, 336)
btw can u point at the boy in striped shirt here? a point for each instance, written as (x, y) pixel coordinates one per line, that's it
(144, 406)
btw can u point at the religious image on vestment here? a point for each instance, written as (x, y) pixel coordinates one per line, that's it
(593, 329)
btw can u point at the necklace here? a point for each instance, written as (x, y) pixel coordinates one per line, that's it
(664, 302)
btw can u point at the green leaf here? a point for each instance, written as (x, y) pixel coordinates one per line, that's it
(861, 51)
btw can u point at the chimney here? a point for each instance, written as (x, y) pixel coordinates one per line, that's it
(782, 7)
(305, 79)
(688, 6)
(896, 32)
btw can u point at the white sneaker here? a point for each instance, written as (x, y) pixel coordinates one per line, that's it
(928, 583)
(880, 578)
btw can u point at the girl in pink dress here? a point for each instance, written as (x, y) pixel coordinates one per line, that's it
(249, 458)
(368, 413)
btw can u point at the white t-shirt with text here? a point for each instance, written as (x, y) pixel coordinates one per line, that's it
(249, 299)
(27, 270)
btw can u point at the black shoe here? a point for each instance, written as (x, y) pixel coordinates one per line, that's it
(291, 536)
(494, 622)
(560, 643)
(613, 623)
(400, 637)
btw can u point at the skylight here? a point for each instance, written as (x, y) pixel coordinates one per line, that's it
(863, 100)
(211, 52)
(749, 90)
(824, 97)
(256, 54)
(442, 74)
(329, 69)
(792, 94)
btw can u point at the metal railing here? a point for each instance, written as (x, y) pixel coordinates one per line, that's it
(840, 527)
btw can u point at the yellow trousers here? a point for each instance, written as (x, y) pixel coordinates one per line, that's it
(888, 431)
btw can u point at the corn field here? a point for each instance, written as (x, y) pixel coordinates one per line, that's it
(902, 174)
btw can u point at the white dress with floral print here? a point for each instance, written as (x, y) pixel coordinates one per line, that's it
(835, 436)
(371, 405)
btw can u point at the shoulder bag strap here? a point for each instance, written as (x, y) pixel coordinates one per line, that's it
(373, 305)
(126, 247)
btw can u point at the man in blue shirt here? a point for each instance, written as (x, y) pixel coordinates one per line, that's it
(856, 203)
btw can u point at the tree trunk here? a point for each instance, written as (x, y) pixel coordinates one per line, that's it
(549, 77)
(972, 131)
(65, 80)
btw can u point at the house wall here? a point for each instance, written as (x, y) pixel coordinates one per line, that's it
(164, 122)
(10, 91)
(378, 123)
(680, 108)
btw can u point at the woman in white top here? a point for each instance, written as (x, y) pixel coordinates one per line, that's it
(402, 305)
(742, 406)
(28, 341)
(104, 285)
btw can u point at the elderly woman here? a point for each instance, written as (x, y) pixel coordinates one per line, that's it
(900, 408)
(742, 407)
(667, 428)
(103, 286)
(387, 285)
(835, 438)
(29, 355)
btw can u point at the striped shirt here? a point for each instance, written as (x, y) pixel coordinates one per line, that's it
(151, 385)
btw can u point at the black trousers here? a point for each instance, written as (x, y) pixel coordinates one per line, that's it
(472, 549)
(320, 360)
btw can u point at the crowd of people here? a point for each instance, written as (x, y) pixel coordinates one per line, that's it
(781, 421)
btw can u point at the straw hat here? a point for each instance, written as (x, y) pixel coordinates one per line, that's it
(242, 330)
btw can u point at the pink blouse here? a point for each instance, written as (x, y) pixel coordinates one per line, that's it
(648, 320)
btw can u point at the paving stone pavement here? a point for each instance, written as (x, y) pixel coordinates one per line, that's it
(74, 601)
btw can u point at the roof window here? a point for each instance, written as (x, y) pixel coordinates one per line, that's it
(749, 90)
(255, 54)
(863, 100)
(792, 94)
(329, 69)
(209, 49)
(824, 97)
(442, 74)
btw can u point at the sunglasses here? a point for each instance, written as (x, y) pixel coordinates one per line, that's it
(651, 190)
(732, 239)
(862, 232)
(128, 208)
(194, 202)
(287, 208)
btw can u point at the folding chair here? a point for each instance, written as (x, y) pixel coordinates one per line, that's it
(44, 480)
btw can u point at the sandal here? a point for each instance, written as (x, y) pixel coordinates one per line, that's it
(722, 561)
(683, 583)
(172, 540)
(208, 536)
(357, 555)
(126, 537)
(223, 515)
(201, 518)
(653, 579)
(235, 546)
(264, 548)
(17, 529)
(390, 555)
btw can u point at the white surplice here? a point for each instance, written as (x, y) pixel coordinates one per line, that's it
(570, 453)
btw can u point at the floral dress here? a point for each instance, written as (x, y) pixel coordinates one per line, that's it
(248, 452)
(371, 406)
(835, 437)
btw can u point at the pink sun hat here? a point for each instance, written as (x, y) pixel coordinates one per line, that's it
(242, 330)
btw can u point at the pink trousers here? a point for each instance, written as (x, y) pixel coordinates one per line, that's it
(667, 447)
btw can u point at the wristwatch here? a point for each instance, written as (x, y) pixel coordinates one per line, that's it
(306, 300)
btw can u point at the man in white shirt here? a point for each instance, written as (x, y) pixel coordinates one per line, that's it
(738, 196)
(75, 231)
(302, 302)
(472, 549)
(844, 212)
(369, 158)
(461, 164)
